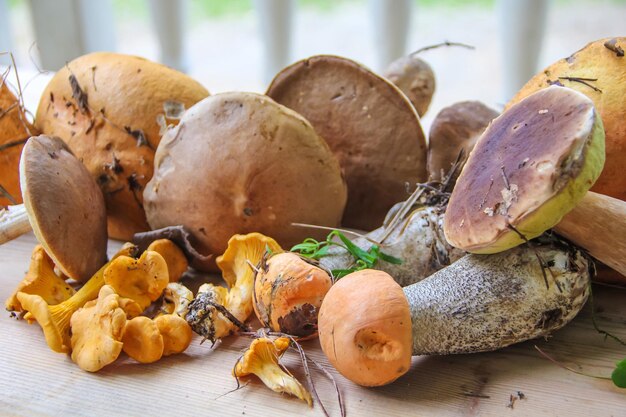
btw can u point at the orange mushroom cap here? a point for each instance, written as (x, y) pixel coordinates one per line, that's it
(364, 328)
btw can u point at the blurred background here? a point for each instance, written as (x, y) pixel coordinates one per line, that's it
(240, 44)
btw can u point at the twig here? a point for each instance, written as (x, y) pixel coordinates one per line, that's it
(404, 209)
(229, 316)
(582, 81)
(7, 195)
(20, 97)
(595, 324)
(12, 143)
(554, 361)
(473, 394)
(344, 231)
(439, 45)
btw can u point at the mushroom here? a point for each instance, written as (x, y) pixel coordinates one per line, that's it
(262, 360)
(288, 292)
(239, 163)
(142, 280)
(107, 106)
(415, 78)
(597, 70)
(176, 333)
(142, 340)
(14, 131)
(55, 320)
(64, 207)
(238, 264)
(369, 124)
(176, 299)
(454, 132)
(174, 257)
(533, 165)
(97, 330)
(41, 280)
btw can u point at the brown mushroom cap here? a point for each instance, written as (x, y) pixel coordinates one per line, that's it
(240, 163)
(14, 131)
(455, 128)
(599, 72)
(364, 328)
(532, 165)
(368, 123)
(108, 117)
(65, 207)
(415, 78)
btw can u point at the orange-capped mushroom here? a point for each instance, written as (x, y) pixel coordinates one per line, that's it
(176, 333)
(142, 340)
(174, 257)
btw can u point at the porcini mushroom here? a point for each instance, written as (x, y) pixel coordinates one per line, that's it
(64, 205)
(369, 327)
(97, 330)
(455, 130)
(533, 165)
(415, 78)
(41, 280)
(239, 163)
(262, 359)
(106, 107)
(369, 124)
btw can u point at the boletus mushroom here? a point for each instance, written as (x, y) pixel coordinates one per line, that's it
(110, 109)
(368, 123)
(597, 71)
(533, 165)
(453, 134)
(64, 206)
(369, 327)
(415, 78)
(239, 163)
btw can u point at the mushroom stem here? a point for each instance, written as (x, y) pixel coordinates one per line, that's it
(13, 222)
(597, 225)
(55, 320)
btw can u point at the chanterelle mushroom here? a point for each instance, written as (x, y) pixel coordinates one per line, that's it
(41, 280)
(262, 360)
(142, 340)
(97, 330)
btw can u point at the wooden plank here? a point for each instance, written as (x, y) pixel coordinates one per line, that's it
(35, 381)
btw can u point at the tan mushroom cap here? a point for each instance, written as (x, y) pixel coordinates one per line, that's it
(113, 126)
(369, 124)
(239, 163)
(65, 207)
(600, 73)
(532, 165)
(455, 128)
(364, 328)
(415, 78)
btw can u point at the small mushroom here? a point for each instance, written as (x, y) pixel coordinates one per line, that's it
(262, 360)
(176, 333)
(238, 264)
(142, 280)
(174, 257)
(64, 205)
(55, 320)
(176, 299)
(142, 340)
(288, 292)
(415, 78)
(41, 280)
(455, 129)
(534, 165)
(97, 330)
(369, 124)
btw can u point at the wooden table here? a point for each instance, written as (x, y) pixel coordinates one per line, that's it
(34, 381)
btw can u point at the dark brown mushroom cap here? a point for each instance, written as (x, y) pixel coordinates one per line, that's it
(368, 123)
(240, 163)
(65, 206)
(455, 128)
(531, 166)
